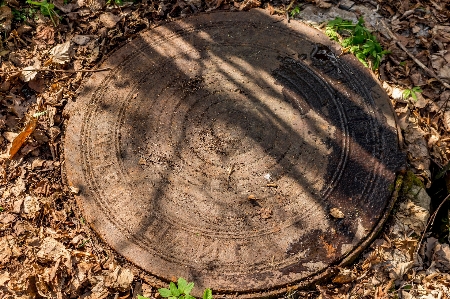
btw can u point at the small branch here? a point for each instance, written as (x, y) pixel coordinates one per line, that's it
(57, 71)
(417, 61)
(430, 223)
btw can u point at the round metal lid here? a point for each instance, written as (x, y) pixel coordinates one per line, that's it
(218, 147)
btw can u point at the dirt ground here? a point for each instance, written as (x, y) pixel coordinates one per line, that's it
(47, 249)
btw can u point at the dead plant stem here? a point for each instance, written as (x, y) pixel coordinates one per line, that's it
(419, 63)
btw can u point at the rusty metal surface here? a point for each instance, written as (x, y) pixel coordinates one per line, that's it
(217, 145)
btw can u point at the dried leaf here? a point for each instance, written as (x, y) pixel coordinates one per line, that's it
(336, 213)
(81, 40)
(249, 4)
(22, 137)
(109, 20)
(5, 251)
(61, 53)
(28, 72)
(120, 279)
(6, 17)
(442, 257)
(31, 206)
(4, 277)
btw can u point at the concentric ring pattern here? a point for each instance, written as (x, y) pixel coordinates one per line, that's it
(216, 146)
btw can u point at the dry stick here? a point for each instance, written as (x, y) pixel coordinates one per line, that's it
(430, 223)
(58, 71)
(424, 67)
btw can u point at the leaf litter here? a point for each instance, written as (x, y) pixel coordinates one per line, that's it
(46, 248)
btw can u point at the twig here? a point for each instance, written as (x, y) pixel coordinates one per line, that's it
(430, 223)
(57, 71)
(417, 61)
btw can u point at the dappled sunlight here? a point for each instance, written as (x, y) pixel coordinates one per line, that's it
(227, 151)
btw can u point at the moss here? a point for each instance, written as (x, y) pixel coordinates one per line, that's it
(410, 180)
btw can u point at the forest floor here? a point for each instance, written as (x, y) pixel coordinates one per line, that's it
(48, 251)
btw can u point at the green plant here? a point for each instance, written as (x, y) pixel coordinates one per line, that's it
(412, 92)
(116, 2)
(23, 14)
(180, 291)
(295, 11)
(47, 9)
(1, 209)
(356, 39)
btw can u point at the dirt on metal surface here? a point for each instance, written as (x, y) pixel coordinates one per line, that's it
(241, 153)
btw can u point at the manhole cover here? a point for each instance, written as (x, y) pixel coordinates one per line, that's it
(217, 146)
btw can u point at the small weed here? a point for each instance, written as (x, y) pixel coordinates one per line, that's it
(47, 9)
(356, 39)
(294, 12)
(81, 245)
(116, 2)
(412, 92)
(1, 209)
(40, 113)
(180, 291)
(23, 14)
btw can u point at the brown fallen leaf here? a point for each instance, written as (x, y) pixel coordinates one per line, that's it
(22, 137)
(249, 4)
(336, 213)
(6, 17)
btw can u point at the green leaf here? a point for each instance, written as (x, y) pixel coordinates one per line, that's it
(189, 297)
(406, 93)
(207, 294)
(295, 11)
(165, 292)
(417, 89)
(182, 283)
(141, 297)
(174, 289)
(189, 288)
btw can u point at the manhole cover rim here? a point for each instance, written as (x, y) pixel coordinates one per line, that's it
(105, 230)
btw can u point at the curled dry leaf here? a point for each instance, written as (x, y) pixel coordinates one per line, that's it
(31, 206)
(249, 4)
(119, 279)
(5, 251)
(45, 35)
(81, 40)
(441, 64)
(61, 53)
(323, 3)
(442, 257)
(6, 17)
(4, 277)
(29, 73)
(109, 20)
(94, 5)
(336, 213)
(52, 250)
(417, 148)
(22, 137)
